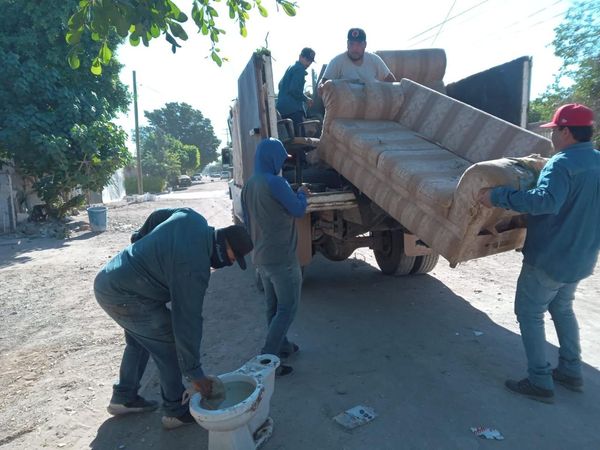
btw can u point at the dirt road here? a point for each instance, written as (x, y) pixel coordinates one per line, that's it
(429, 353)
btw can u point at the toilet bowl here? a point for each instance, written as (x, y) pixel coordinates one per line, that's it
(241, 421)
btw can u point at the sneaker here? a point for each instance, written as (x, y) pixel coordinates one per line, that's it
(524, 387)
(283, 370)
(139, 405)
(170, 422)
(285, 355)
(571, 383)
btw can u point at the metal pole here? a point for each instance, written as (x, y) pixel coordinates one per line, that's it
(137, 139)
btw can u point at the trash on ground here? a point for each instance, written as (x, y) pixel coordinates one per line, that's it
(487, 433)
(355, 417)
(477, 332)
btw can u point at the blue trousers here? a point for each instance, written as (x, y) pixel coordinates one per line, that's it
(148, 331)
(536, 294)
(282, 283)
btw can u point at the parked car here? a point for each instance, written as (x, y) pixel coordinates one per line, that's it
(184, 181)
(225, 175)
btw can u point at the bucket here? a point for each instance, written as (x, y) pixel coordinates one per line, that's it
(97, 216)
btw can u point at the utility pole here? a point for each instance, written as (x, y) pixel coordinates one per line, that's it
(137, 139)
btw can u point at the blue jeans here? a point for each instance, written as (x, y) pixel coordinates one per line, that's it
(282, 283)
(536, 294)
(148, 331)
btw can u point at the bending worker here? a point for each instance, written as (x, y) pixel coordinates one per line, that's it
(270, 208)
(169, 260)
(561, 249)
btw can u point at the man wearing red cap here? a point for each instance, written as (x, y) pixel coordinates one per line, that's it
(356, 64)
(561, 249)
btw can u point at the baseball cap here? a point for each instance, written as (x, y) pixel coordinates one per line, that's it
(308, 53)
(240, 242)
(571, 115)
(357, 35)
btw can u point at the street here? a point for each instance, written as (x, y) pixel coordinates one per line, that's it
(428, 353)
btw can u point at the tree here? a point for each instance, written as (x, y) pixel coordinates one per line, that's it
(55, 122)
(144, 20)
(188, 125)
(577, 43)
(165, 156)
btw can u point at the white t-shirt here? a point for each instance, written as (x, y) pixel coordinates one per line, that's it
(342, 68)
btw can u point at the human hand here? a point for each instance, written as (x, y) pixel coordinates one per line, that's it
(305, 190)
(484, 197)
(309, 103)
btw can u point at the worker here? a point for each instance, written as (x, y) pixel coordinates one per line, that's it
(291, 100)
(169, 260)
(561, 249)
(356, 64)
(270, 209)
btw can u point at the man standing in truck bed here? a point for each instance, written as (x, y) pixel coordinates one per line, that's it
(561, 249)
(356, 64)
(270, 208)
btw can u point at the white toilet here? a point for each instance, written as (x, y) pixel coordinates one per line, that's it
(242, 422)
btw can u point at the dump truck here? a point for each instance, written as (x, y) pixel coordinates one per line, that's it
(396, 167)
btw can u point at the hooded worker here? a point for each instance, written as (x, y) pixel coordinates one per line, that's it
(270, 209)
(169, 260)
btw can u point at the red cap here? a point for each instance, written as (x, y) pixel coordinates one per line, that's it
(571, 115)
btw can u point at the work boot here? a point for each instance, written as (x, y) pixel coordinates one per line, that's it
(139, 405)
(170, 423)
(524, 387)
(572, 383)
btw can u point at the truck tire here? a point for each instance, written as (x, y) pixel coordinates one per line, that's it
(334, 250)
(392, 260)
(425, 264)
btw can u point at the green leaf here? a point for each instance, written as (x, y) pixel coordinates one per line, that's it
(73, 38)
(134, 39)
(154, 30)
(178, 31)
(289, 9)
(77, 20)
(215, 57)
(73, 59)
(96, 37)
(105, 53)
(96, 68)
(263, 11)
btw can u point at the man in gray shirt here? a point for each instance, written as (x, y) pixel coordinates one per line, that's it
(356, 64)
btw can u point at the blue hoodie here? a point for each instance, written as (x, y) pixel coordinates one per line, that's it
(271, 206)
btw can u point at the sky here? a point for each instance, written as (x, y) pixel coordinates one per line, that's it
(476, 35)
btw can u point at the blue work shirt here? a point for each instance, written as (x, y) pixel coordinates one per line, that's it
(563, 227)
(291, 98)
(169, 261)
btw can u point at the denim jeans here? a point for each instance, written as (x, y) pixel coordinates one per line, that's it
(148, 332)
(536, 294)
(282, 283)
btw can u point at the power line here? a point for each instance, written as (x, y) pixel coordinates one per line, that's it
(447, 20)
(442, 25)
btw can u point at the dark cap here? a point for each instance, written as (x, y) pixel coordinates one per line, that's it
(240, 242)
(357, 35)
(308, 53)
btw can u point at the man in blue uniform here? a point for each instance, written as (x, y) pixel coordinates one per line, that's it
(291, 98)
(270, 209)
(169, 260)
(561, 249)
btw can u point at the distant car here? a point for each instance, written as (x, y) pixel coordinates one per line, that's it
(184, 181)
(215, 174)
(197, 177)
(225, 175)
